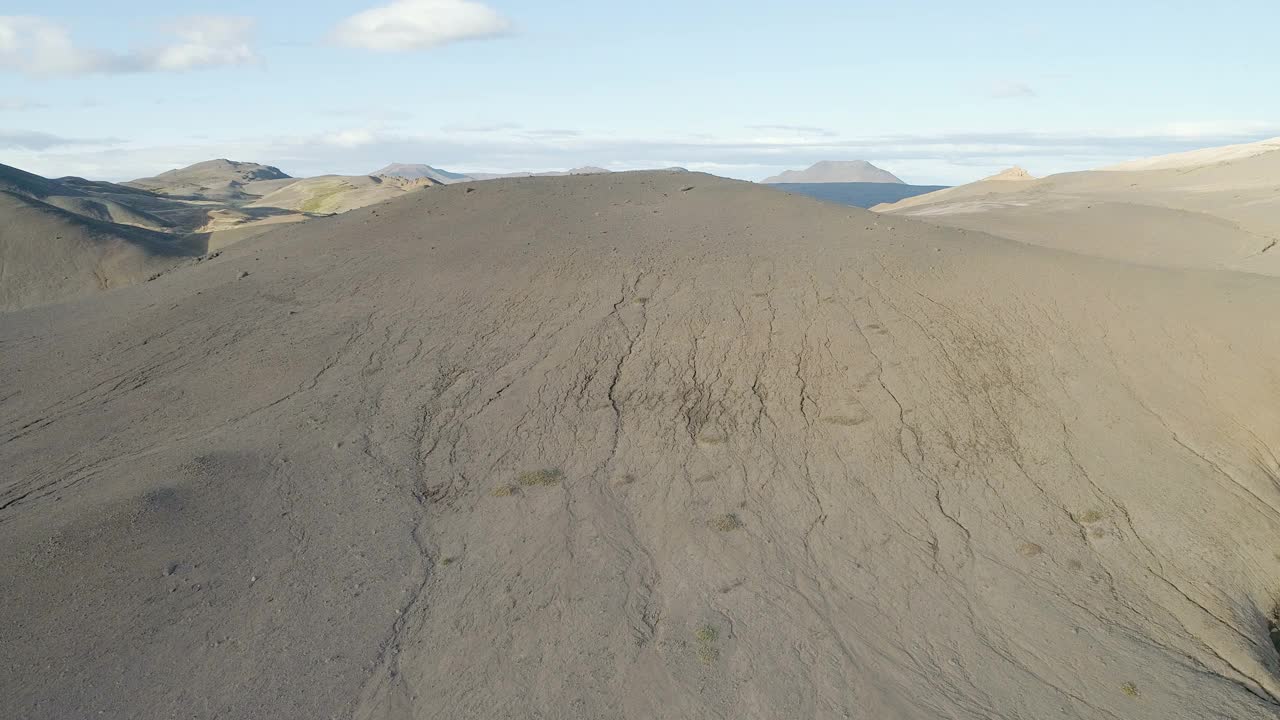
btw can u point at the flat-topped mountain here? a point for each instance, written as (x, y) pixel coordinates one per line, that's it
(836, 171)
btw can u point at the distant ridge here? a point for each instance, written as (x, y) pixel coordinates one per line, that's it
(1013, 174)
(409, 171)
(837, 171)
(1197, 158)
(219, 179)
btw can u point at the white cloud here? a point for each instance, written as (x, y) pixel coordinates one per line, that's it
(350, 138)
(207, 42)
(16, 104)
(809, 130)
(1011, 90)
(419, 24)
(41, 47)
(33, 140)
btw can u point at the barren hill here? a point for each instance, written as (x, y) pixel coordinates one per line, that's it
(328, 194)
(643, 446)
(225, 180)
(201, 208)
(49, 254)
(416, 172)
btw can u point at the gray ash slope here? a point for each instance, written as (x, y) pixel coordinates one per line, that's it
(603, 447)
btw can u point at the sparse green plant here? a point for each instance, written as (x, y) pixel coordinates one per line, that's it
(707, 634)
(727, 522)
(1130, 689)
(543, 478)
(1090, 516)
(446, 560)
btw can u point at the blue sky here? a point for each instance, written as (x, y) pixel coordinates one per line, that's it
(937, 92)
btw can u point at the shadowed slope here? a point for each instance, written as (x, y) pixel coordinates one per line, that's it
(48, 254)
(608, 446)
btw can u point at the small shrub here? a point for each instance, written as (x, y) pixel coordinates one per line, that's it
(707, 651)
(543, 478)
(505, 491)
(1090, 516)
(1130, 689)
(727, 522)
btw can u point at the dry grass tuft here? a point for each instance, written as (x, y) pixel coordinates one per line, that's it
(505, 490)
(707, 634)
(541, 478)
(1090, 516)
(1030, 549)
(727, 522)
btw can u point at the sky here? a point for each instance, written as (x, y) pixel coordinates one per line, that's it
(936, 91)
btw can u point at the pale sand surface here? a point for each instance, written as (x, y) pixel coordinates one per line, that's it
(1217, 208)
(643, 446)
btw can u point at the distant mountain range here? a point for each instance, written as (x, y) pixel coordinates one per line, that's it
(837, 171)
(410, 172)
(70, 236)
